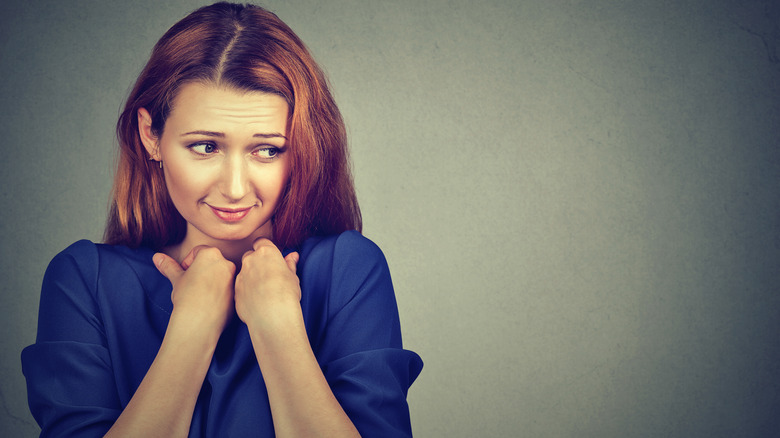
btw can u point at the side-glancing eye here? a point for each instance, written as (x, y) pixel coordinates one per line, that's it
(203, 148)
(268, 152)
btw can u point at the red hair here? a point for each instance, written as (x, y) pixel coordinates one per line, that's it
(247, 48)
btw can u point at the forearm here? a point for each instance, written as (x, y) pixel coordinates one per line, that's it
(302, 403)
(164, 402)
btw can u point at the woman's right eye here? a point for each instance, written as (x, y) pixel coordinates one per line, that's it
(203, 148)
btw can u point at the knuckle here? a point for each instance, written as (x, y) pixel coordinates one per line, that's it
(262, 242)
(265, 249)
(210, 252)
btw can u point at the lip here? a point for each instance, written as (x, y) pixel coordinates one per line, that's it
(230, 214)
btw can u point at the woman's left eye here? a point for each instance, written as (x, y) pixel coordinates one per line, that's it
(267, 153)
(203, 148)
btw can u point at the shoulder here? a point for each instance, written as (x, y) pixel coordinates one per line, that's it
(87, 256)
(347, 296)
(85, 262)
(347, 248)
(88, 284)
(345, 268)
(81, 251)
(79, 260)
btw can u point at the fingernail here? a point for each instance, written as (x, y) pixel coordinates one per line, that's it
(157, 259)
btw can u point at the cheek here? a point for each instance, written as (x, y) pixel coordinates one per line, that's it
(269, 185)
(184, 183)
(270, 182)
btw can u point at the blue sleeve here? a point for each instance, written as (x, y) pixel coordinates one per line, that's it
(358, 342)
(70, 385)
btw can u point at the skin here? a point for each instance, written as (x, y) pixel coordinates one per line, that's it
(222, 150)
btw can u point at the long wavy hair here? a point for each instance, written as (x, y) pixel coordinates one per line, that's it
(247, 48)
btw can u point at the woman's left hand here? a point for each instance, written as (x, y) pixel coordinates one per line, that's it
(268, 300)
(267, 291)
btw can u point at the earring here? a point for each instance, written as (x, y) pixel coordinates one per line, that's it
(160, 164)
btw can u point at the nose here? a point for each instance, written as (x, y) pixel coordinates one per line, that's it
(234, 183)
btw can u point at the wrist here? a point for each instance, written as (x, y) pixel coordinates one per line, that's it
(277, 323)
(194, 328)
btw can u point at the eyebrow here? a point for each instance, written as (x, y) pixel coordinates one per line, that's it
(222, 135)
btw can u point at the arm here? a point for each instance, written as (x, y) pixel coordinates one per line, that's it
(357, 337)
(71, 351)
(202, 303)
(268, 301)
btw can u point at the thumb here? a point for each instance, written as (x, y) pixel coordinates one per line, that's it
(167, 266)
(292, 261)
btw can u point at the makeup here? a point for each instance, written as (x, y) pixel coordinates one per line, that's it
(230, 214)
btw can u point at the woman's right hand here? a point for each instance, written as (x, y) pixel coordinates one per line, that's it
(202, 305)
(202, 286)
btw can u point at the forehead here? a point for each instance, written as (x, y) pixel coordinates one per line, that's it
(208, 106)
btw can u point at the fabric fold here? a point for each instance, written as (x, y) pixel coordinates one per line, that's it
(371, 387)
(57, 393)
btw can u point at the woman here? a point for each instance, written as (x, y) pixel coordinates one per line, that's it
(189, 320)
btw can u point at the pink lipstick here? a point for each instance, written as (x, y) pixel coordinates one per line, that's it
(230, 214)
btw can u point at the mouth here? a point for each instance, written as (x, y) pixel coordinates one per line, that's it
(230, 214)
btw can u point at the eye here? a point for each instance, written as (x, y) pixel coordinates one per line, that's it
(267, 152)
(203, 148)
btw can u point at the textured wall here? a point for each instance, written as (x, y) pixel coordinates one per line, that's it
(579, 200)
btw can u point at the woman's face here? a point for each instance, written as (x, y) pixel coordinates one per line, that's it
(225, 159)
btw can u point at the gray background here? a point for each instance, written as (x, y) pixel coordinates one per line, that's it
(578, 199)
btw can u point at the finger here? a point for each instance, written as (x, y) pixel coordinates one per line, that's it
(167, 266)
(187, 262)
(292, 261)
(261, 242)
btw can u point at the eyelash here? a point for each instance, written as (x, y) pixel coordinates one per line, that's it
(275, 151)
(271, 150)
(195, 145)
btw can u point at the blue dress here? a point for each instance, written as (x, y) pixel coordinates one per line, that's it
(104, 310)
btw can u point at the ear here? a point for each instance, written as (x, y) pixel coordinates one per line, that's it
(147, 137)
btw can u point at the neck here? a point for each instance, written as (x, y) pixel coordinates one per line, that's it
(232, 250)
